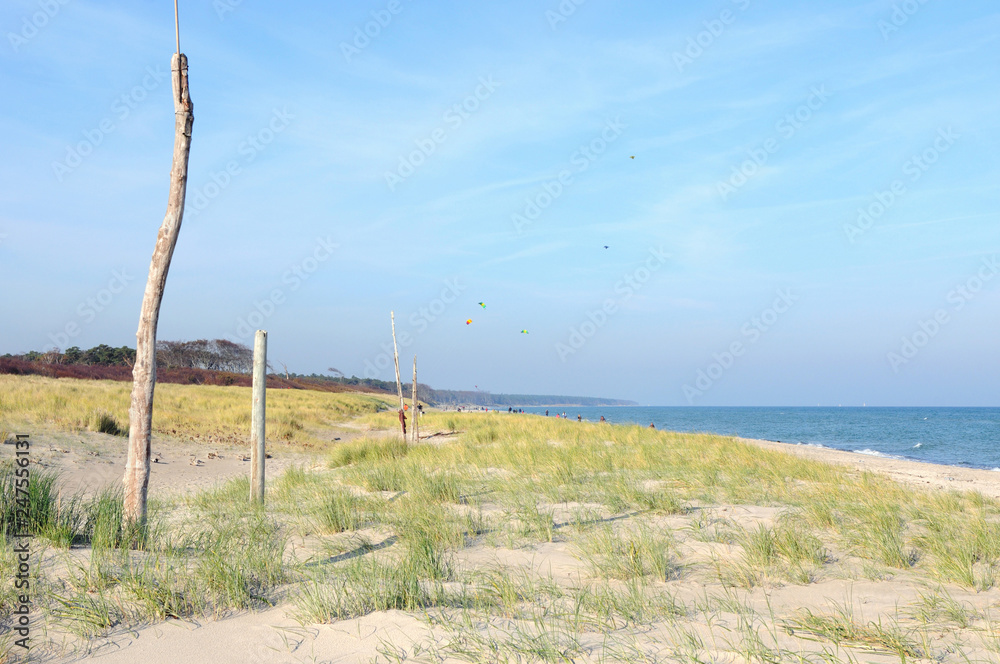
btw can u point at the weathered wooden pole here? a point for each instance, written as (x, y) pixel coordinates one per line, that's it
(399, 384)
(136, 480)
(258, 417)
(414, 419)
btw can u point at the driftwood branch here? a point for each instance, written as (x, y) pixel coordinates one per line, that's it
(399, 384)
(136, 478)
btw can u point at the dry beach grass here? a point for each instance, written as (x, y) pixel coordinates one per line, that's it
(516, 539)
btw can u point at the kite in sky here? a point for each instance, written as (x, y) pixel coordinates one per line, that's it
(482, 304)
(524, 331)
(468, 322)
(605, 246)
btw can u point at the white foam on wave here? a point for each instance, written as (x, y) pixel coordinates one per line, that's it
(918, 446)
(996, 470)
(876, 453)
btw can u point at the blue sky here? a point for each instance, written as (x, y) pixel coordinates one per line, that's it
(467, 152)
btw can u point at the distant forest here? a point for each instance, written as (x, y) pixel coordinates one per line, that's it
(223, 362)
(451, 398)
(214, 355)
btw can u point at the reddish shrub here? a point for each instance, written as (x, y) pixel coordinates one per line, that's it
(18, 367)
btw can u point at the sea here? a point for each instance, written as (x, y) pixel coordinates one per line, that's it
(966, 437)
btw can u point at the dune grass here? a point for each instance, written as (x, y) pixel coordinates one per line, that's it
(220, 557)
(528, 465)
(955, 537)
(871, 516)
(786, 552)
(842, 627)
(628, 555)
(196, 412)
(377, 524)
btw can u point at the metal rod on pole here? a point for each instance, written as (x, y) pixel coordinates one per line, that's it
(177, 27)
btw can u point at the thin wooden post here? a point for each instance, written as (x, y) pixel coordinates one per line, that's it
(399, 384)
(414, 420)
(140, 414)
(258, 417)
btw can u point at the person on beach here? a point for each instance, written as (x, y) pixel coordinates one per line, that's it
(579, 418)
(602, 418)
(546, 413)
(652, 426)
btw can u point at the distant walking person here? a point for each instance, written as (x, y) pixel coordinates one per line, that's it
(602, 418)
(652, 426)
(546, 413)
(579, 418)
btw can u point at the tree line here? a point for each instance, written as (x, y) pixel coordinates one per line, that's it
(212, 355)
(230, 357)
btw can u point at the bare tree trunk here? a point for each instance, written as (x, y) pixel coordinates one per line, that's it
(136, 478)
(415, 422)
(399, 385)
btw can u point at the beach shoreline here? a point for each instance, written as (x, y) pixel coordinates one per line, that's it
(954, 436)
(912, 473)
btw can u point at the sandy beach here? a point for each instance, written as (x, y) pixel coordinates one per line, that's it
(913, 473)
(709, 544)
